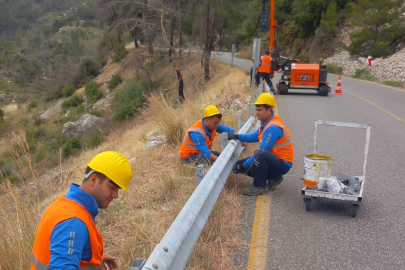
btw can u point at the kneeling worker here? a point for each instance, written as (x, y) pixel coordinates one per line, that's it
(67, 236)
(275, 154)
(197, 143)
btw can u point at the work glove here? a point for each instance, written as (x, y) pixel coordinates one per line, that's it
(239, 168)
(232, 136)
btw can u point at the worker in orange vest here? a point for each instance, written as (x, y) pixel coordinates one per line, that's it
(275, 154)
(67, 236)
(264, 71)
(197, 143)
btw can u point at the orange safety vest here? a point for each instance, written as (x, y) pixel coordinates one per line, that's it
(59, 211)
(188, 147)
(283, 148)
(266, 64)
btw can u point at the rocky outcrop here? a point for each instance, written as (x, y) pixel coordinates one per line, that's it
(84, 123)
(391, 68)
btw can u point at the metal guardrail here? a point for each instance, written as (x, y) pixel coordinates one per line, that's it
(174, 250)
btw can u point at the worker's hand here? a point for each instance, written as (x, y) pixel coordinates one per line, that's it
(232, 136)
(109, 262)
(239, 168)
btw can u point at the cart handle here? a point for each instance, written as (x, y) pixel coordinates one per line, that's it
(349, 125)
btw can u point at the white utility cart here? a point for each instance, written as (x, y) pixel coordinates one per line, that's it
(355, 198)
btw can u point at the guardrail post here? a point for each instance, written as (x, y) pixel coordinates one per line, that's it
(240, 121)
(199, 173)
(248, 114)
(261, 85)
(224, 136)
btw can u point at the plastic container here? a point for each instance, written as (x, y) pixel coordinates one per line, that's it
(316, 166)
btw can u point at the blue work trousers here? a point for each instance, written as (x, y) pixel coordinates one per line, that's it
(265, 77)
(266, 166)
(199, 159)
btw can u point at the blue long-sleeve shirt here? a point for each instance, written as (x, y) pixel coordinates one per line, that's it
(270, 136)
(200, 142)
(66, 252)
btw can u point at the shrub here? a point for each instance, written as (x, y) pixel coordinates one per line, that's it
(363, 73)
(14, 179)
(68, 90)
(95, 112)
(35, 134)
(6, 169)
(334, 69)
(71, 147)
(32, 105)
(37, 120)
(115, 80)
(394, 83)
(92, 91)
(119, 53)
(95, 139)
(131, 97)
(74, 101)
(88, 68)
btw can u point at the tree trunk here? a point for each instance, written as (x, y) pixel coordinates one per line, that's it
(167, 42)
(171, 31)
(148, 39)
(135, 38)
(179, 18)
(207, 51)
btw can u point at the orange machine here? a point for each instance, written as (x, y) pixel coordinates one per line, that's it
(296, 75)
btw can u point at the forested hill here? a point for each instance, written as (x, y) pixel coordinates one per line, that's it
(48, 44)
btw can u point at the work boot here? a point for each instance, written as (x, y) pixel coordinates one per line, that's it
(272, 89)
(255, 191)
(275, 182)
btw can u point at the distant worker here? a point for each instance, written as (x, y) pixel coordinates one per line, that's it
(264, 70)
(275, 154)
(67, 237)
(197, 143)
(251, 73)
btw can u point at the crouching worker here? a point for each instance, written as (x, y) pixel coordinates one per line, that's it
(275, 154)
(197, 143)
(67, 237)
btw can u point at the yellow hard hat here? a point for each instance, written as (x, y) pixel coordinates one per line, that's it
(113, 165)
(266, 99)
(211, 110)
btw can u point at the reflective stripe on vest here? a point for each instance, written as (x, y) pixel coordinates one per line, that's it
(283, 148)
(188, 147)
(266, 64)
(59, 211)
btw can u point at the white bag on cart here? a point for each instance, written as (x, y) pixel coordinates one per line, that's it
(331, 184)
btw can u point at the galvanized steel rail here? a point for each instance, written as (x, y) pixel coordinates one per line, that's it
(174, 250)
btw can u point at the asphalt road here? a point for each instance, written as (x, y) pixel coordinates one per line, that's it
(327, 237)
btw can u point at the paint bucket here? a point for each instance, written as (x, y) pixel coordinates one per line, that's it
(316, 166)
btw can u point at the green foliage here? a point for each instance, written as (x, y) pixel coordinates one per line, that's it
(131, 97)
(95, 112)
(5, 168)
(88, 68)
(37, 120)
(334, 69)
(94, 139)
(33, 104)
(71, 147)
(380, 26)
(394, 83)
(363, 73)
(115, 80)
(68, 90)
(74, 101)
(92, 91)
(119, 53)
(35, 134)
(87, 11)
(328, 29)
(14, 179)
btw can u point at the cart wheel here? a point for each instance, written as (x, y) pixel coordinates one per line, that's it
(355, 208)
(307, 202)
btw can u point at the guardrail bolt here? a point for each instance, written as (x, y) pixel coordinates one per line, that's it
(165, 249)
(155, 266)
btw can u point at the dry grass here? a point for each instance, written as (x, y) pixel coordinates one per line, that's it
(136, 222)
